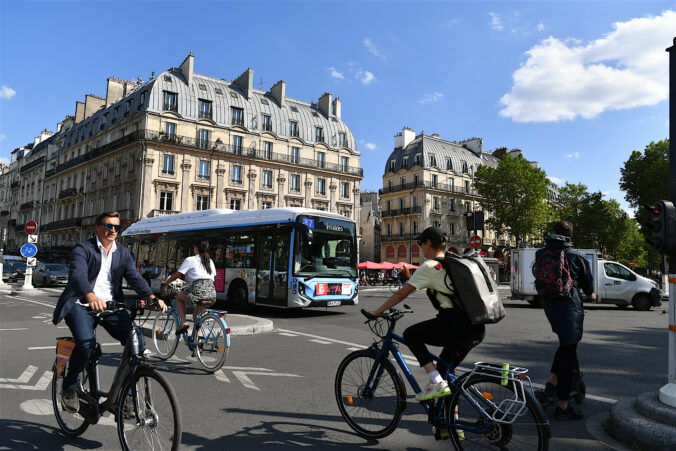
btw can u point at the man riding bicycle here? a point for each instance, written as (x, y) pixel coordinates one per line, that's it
(451, 328)
(97, 267)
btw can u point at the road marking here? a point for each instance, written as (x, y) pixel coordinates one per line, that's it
(412, 360)
(287, 334)
(16, 328)
(37, 407)
(321, 342)
(243, 377)
(24, 378)
(39, 385)
(34, 302)
(220, 376)
(354, 349)
(37, 348)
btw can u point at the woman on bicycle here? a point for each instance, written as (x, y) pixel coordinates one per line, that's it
(450, 328)
(199, 290)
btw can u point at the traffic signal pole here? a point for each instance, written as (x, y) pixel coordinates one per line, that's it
(668, 392)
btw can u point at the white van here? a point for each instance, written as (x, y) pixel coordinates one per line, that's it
(614, 283)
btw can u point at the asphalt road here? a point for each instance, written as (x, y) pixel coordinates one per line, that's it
(276, 389)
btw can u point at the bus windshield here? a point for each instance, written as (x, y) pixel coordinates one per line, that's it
(326, 254)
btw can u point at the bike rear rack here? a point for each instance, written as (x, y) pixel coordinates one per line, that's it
(509, 409)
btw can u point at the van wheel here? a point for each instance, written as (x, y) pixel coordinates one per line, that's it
(642, 302)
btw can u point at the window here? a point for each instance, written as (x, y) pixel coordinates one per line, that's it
(118, 166)
(465, 169)
(105, 173)
(204, 108)
(295, 183)
(433, 160)
(267, 150)
(342, 139)
(170, 129)
(143, 98)
(467, 186)
(401, 203)
(452, 204)
(201, 203)
(204, 139)
(168, 164)
(166, 200)
(219, 91)
(319, 134)
(237, 175)
(294, 109)
(405, 164)
(451, 183)
(233, 94)
(437, 224)
(264, 101)
(392, 165)
(389, 205)
(91, 208)
(203, 87)
(344, 163)
(103, 205)
(321, 159)
(293, 129)
(417, 159)
(267, 179)
(128, 201)
(321, 186)
(402, 181)
(266, 205)
(131, 164)
(115, 201)
(295, 153)
(449, 164)
(237, 145)
(237, 116)
(452, 228)
(389, 185)
(235, 204)
(468, 206)
(389, 233)
(267, 123)
(415, 227)
(92, 176)
(416, 179)
(435, 181)
(128, 106)
(345, 190)
(401, 228)
(170, 101)
(203, 171)
(82, 181)
(167, 78)
(436, 203)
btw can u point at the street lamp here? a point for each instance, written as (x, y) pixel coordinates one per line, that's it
(410, 224)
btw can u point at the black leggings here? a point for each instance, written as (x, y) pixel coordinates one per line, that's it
(566, 367)
(450, 329)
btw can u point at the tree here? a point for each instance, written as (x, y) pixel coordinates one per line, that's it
(514, 194)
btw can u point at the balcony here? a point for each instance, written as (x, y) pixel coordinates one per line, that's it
(171, 107)
(63, 224)
(205, 115)
(15, 184)
(404, 237)
(428, 185)
(32, 164)
(27, 205)
(267, 127)
(157, 212)
(435, 211)
(68, 192)
(402, 211)
(237, 121)
(50, 172)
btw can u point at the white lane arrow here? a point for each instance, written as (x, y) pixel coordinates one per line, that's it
(41, 384)
(243, 377)
(24, 378)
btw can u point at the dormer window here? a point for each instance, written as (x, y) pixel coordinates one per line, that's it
(465, 169)
(204, 108)
(319, 134)
(264, 101)
(203, 87)
(417, 159)
(167, 78)
(433, 160)
(392, 165)
(170, 101)
(267, 123)
(449, 164)
(294, 109)
(293, 129)
(219, 91)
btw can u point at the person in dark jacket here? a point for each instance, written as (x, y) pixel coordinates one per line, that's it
(566, 317)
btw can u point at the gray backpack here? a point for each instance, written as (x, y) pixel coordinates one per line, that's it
(476, 293)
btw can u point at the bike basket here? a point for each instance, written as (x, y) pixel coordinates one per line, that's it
(508, 409)
(64, 348)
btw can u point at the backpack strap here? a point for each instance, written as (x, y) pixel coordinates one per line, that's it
(432, 294)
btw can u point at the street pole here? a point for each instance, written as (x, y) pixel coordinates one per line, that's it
(668, 392)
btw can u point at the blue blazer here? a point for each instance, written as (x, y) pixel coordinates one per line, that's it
(85, 263)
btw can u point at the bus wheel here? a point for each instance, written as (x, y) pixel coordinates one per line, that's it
(237, 296)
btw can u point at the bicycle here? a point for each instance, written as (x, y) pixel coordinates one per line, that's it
(141, 399)
(488, 408)
(394, 285)
(209, 340)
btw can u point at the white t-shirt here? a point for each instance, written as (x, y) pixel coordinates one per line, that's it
(193, 269)
(432, 275)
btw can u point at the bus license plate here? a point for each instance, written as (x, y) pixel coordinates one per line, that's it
(332, 303)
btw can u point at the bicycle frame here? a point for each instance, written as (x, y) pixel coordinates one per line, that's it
(190, 340)
(433, 409)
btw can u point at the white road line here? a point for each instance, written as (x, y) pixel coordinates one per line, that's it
(34, 302)
(16, 328)
(220, 375)
(411, 359)
(321, 342)
(248, 383)
(37, 348)
(287, 335)
(24, 378)
(354, 349)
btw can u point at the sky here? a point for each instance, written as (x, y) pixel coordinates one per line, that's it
(577, 86)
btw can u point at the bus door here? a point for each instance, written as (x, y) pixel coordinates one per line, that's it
(273, 267)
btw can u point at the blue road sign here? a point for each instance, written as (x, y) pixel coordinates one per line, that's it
(29, 250)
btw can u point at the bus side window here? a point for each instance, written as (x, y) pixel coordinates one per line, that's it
(171, 257)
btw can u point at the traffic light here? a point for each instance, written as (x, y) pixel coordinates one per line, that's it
(469, 220)
(479, 217)
(662, 222)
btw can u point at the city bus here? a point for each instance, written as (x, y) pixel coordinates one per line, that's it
(280, 257)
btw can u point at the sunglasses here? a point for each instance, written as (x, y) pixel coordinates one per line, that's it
(115, 227)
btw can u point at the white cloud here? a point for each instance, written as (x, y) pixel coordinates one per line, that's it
(563, 79)
(4, 161)
(6, 92)
(371, 47)
(2, 136)
(556, 180)
(370, 146)
(496, 22)
(334, 73)
(433, 97)
(540, 26)
(365, 76)
(573, 156)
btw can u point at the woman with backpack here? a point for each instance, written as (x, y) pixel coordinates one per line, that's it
(450, 329)
(199, 291)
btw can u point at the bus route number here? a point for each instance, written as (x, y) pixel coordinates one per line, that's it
(309, 222)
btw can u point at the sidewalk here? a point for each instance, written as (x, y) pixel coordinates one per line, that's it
(238, 324)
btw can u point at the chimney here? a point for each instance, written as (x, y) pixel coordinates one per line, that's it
(336, 107)
(187, 67)
(93, 104)
(114, 91)
(58, 127)
(278, 92)
(474, 145)
(325, 104)
(403, 139)
(245, 81)
(79, 111)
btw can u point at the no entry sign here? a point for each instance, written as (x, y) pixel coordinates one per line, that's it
(475, 241)
(31, 227)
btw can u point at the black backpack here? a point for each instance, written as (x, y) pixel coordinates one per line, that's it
(552, 274)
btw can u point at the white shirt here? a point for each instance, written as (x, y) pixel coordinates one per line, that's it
(193, 269)
(103, 288)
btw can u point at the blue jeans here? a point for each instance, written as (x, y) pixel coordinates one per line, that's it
(81, 325)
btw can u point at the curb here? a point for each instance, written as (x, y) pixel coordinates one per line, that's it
(251, 325)
(627, 424)
(594, 426)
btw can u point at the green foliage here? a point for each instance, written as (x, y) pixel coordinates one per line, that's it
(514, 195)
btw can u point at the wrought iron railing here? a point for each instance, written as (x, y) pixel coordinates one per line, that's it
(402, 211)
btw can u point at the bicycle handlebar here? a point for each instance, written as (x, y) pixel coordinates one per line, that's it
(114, 307)
(392, 314)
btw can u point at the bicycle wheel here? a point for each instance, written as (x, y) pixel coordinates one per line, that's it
(148, 416)
(164, 336)
(376, 413)
(394, 286)
(72, 424)
(530, 430)
(212, 348)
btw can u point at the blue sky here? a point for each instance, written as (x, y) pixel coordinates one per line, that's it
(576, 85)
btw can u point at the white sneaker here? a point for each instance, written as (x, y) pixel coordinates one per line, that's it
(433, 391)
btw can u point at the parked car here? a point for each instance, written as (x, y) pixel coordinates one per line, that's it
(18, 270)
(8, 271)
(48, 274)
